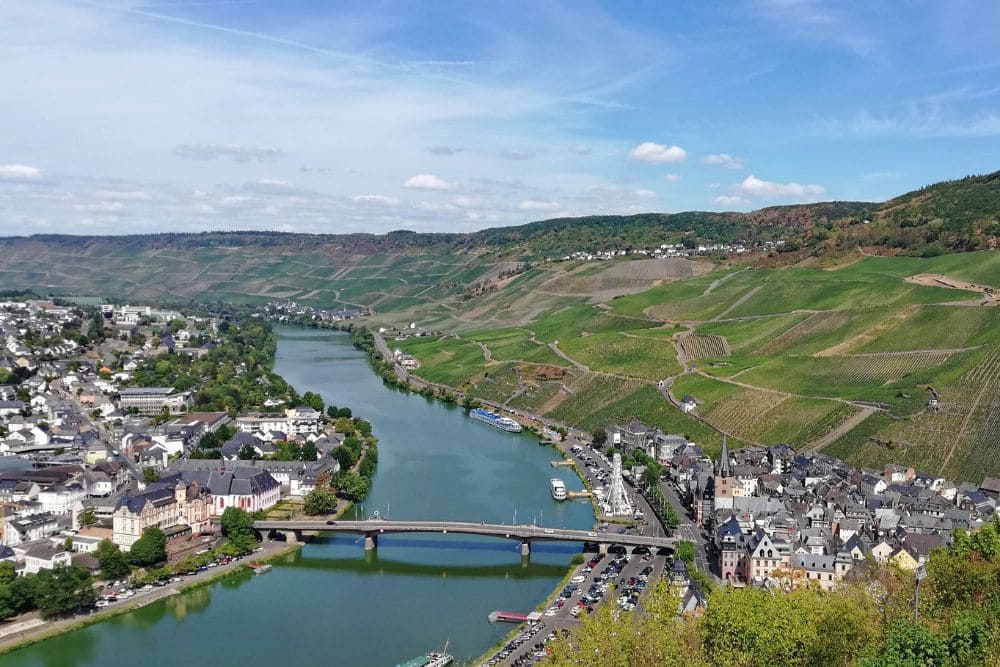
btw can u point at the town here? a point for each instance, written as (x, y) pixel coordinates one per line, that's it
(772, 517)
(99, 459)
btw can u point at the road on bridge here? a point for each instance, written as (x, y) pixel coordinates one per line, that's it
(525, 533)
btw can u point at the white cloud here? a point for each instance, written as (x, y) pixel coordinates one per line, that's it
(724, 160)
(375, 200)
(756, 187)
(648, 151)
(580, 149)
(18, 172)
(672, 178)
(730, 200)
(538, 205)
(428, 182)
(644, 194)
(445, 150)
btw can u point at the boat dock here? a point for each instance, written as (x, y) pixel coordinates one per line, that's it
(562, 464)
(579, 494)
(514, 617)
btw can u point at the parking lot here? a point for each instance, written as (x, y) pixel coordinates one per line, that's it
(617, 579)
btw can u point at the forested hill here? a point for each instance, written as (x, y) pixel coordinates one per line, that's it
(956, 215)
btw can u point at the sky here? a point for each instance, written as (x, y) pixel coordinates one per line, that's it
(121, 116)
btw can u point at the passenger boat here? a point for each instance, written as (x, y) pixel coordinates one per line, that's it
(495, 420)
(558, 489)
(432, 659)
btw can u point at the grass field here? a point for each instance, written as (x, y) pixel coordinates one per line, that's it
(593, 394)
(446, 360)
(941, 327)
(624, 354)
(516, 345)
(746, 335)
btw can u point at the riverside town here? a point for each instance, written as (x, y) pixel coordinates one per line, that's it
(500, 334)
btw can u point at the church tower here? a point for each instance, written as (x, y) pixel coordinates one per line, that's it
(724, 481)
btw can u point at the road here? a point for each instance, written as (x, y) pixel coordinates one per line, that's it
(688, 530)
(527, 532)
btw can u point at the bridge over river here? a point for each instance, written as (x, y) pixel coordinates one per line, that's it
(526, 534)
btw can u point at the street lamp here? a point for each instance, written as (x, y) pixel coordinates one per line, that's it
(919, 575)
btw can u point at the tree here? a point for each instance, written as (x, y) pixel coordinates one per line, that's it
(345, 457)
(150, 475)
(651, 474)
(319, 501)
(149, 549)
(63, 590)
(911, 646)
(685, 551)
(114, 564)
(344, 425)
(237, 526)
(600, 436)
(670, 515)
(88, 517)
(351, 486)
(309, 452)
(236, 521)
(314, 401)
(8, 573)
(344, 412)
(247, 453)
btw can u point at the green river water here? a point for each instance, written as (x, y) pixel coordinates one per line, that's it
(329, 604)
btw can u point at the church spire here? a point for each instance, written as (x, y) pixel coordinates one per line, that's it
(723, 467)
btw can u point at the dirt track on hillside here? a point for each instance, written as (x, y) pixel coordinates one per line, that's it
(990, 294)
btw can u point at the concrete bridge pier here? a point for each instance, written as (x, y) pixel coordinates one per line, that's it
(525, 548)
(602, 548)
(291, 536)
(371, 541)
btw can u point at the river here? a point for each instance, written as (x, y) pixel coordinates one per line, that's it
(332, 604)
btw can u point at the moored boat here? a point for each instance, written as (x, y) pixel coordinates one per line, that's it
(259, 568)
(558, 489)
(431, 659)
(495, 420)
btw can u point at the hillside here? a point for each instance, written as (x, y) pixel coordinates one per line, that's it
(775, 349)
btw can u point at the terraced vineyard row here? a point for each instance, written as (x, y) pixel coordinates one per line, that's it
(961, 439)
(887, 366)
(697, 346)
(813, 324)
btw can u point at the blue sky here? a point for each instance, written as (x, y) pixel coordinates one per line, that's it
(187, 115)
